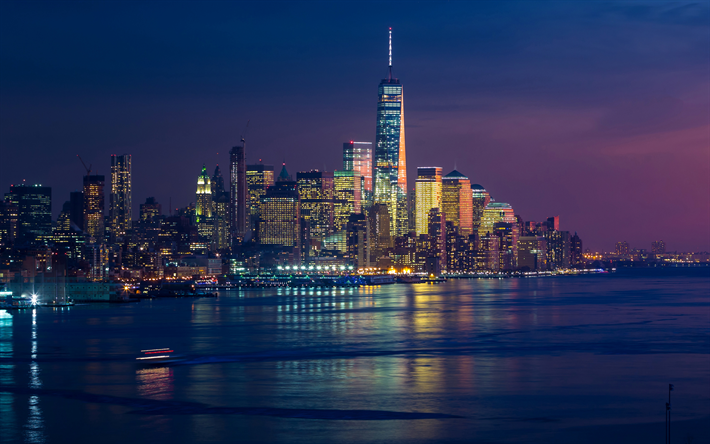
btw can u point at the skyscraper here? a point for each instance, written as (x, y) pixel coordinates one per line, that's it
(32, 206)
(150, 210)
(259, 178)
(428, 195)
(456, 201)
(94, 207)
(120, 204)
(346, 197)
(238, 191)
(657, 247)
(279, 222)
(576, 255)
(315, 191)
(390, 156)
(493, 213)
(203, 197)
(357, 156)
(480, 198)
(221, 233)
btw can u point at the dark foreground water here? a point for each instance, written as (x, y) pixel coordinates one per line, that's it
(550, 360)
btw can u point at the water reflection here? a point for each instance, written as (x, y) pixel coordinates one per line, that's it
(34, 428)
(156, 383)
(7, 412)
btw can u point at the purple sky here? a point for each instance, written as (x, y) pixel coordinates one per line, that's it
(596, 112)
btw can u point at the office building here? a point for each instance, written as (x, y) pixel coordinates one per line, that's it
(8, 224)
(94, 207)
(347, 186)
(622, 248)
(203, 197)
(238, 192)
(357, 238)
(33, 204)
(221, 233)
(315, 191)
(120, 203)
(379, 231)
(479, 199)
(217, 182)
(390, 165)
(576, 252)
(280, 214)
(357, 157)
(558, 249)
(658, 247)
(493, 213)
(259, 178)
(428, 195)
(436, 260)
(532, 253)
(456, 201)
(151, 210)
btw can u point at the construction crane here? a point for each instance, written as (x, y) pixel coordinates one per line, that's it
(88, 169)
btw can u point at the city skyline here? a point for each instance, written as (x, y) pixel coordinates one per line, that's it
(605, 199)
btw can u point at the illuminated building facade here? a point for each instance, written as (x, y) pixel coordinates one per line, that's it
(357, 157)
(259, 178)
(120, 203)
(66, 236)
(456, 201)
(8, 223)
(508, 235)
(94, 207)
(576, 251)
(203, 197)
(280, 214)
(357, 238)
(436, 261)
(532, 253)
(489, 253)
(558, 249)
(380, 236)
(221, 233)
(657, 247)
(150, 210)
(315, 191)
(622, 248)
(31, 207)
(479, 199)
(493, 213)
(238, 191)
(428, 195)
(390, 156)
(347, 186)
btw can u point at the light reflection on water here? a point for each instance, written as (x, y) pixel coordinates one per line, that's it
(515, 357)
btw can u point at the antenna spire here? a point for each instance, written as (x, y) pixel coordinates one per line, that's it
(390, 54)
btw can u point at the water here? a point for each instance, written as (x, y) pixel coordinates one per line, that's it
(563, 359)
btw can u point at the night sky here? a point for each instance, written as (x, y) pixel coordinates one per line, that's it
(596, 112)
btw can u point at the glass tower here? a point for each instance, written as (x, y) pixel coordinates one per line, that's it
(357, 156)
(120, 205)
(428, 196)
(456, 201)
(390, 156)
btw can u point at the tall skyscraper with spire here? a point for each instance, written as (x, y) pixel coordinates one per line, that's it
(390, 154)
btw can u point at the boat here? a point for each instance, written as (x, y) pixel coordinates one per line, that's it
(159, 356)
(10, 302)
(56, 303)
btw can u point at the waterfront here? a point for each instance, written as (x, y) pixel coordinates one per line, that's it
(557, 359)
